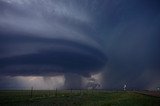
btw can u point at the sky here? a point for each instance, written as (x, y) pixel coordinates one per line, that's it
(64, 44)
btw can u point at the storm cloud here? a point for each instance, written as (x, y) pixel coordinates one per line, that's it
(116, 39)
(64, 56)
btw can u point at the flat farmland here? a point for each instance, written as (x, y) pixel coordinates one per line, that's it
(76, 98)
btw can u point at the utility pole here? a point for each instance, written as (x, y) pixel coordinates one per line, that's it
(56, 93)
(31, 91)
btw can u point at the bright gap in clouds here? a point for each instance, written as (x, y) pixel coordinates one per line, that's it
(49, 82)
(38, 82)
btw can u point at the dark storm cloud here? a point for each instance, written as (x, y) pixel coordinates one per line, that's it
(68, 56)
(73, 36)
(46, 37)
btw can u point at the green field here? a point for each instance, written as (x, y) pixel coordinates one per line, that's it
(75, 98)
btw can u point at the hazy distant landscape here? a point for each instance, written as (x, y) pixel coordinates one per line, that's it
(76, 98)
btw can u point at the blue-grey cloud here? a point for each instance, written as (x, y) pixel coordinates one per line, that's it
(75, 36)
(66, 55)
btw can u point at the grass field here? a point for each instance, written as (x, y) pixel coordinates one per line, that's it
(75, 98)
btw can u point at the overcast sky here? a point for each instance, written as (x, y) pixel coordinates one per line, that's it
(51, 44)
